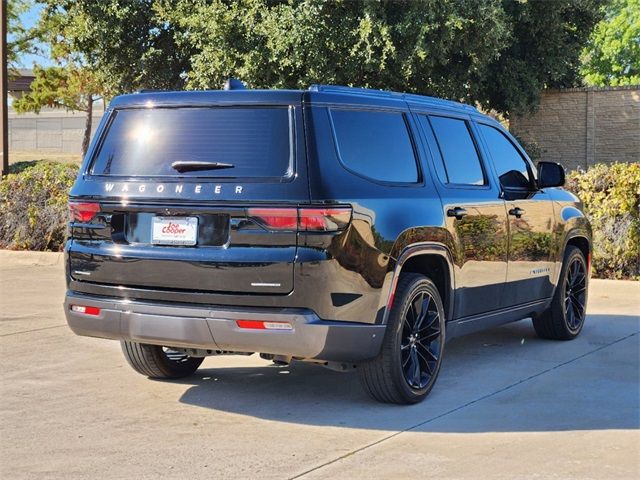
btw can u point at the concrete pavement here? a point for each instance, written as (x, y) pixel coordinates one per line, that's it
(507, 405)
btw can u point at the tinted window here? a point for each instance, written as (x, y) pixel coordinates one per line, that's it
(256, 141)
(458, 151)
(375, 145)
(511, 167)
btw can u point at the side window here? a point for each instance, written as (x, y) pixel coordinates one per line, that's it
(511, 167)
(459, 155)
(375, 145)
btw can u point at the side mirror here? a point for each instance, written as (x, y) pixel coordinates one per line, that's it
(550, 174)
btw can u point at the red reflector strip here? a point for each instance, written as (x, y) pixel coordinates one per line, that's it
(263, 325)
(85, 309)
(250, 324)
(83, 211)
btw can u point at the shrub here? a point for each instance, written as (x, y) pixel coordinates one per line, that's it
(33, 205)
(611, 196)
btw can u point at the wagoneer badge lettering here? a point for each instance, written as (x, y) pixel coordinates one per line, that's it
(178, 188)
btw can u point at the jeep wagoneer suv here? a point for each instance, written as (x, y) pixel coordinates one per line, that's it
(342, 226)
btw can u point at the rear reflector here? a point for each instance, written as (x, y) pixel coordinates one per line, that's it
(83, 212)
(303, 219)
(262, 325)
(85, 310)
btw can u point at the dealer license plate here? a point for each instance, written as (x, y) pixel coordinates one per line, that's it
(174, 230)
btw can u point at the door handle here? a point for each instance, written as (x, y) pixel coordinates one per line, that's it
(457, 212)
(517, 212)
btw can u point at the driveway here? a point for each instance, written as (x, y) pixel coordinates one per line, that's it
(506, 405)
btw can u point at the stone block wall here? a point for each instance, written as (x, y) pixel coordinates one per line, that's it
(50, 131)
(579, 127)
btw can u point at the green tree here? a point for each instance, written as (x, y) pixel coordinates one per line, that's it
(427, 47)
(125, 43)
(612, 56)
(499, 53)
(69, 87)
(546, 38)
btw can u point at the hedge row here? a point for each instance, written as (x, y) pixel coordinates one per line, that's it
(611, 197)
(33, 211)
(33, 205)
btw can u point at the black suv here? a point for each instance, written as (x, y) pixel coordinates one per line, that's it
(346, 227)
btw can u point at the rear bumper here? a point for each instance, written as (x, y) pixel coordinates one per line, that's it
(215, 328)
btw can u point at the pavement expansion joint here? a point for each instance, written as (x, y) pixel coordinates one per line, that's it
(460, 407)
(32, 330)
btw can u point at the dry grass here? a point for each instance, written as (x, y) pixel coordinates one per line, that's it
(22, 156)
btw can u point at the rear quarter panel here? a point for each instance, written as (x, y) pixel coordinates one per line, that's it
(387, 218)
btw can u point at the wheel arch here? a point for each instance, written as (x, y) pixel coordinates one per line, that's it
(580, 241)
(576, 230)
(434, 260)
(583, 242)
(580, 238)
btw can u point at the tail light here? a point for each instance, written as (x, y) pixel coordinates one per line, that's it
(276, 218)
(324, 219)
(311, 219)
(83, 212)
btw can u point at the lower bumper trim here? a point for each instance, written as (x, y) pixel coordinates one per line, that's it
(210, 328)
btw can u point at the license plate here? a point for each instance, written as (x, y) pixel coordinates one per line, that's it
(174, 230)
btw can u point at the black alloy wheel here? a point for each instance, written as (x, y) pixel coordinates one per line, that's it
(409, 361)
(566, 314)
(420, 346)
(575, 294)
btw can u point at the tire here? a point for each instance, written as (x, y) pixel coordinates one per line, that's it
(159, 362)
(565, 317)
(391, 377)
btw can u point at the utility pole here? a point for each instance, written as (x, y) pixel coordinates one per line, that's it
(4, 85)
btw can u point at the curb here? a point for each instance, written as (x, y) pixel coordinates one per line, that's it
(26, 258)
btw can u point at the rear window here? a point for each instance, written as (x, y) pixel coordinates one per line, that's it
(375, 145)
(459, 154)
(146, 142)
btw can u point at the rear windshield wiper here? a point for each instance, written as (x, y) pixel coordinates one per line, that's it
(195, 165)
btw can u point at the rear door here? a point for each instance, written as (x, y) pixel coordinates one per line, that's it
(474, 212)
(531, 221)
(185, 198)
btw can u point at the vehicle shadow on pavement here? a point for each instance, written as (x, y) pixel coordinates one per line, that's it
(504, 379)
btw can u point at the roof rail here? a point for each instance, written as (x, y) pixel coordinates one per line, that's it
(352, 90)
(388, 94)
